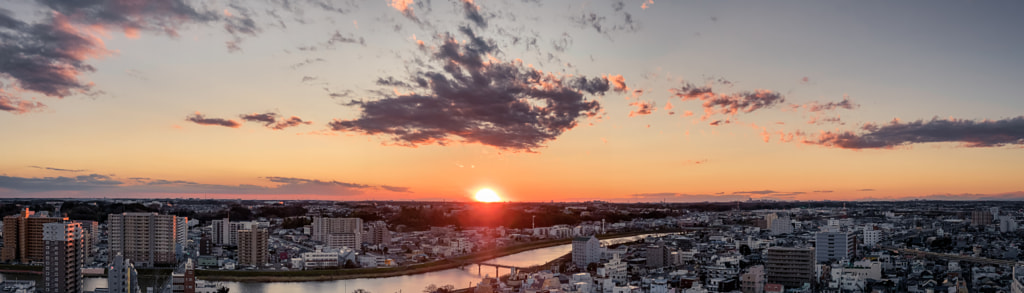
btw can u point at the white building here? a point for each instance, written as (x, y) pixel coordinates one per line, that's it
(122, 277)
(872, 235)
(834, 246)
(585, 250)
(781, 225)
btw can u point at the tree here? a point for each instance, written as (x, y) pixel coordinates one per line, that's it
(223, 290)
(430, 288)
(745, 250)
(360, 290)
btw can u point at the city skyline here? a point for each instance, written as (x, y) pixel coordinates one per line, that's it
(568, 101)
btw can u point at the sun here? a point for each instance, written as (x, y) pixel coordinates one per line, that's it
(487, 195)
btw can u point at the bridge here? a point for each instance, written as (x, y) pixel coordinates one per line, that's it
(480, 265)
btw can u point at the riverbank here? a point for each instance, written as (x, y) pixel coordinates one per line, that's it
(344, 274)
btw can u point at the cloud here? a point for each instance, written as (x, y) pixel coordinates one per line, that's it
(267, 118)
(475, 100)
(696, 162)
(102, 185)
(290, 122)
(270, 120)
(817, 107)
(198, 118)
(728, 104)
(643, 108)
(83, 182)
(985, 133)
(45, 57)
(621, 21)
(131, 16)
(865, 189)
(405, 7)
(59, 169)
(618, 82)
(473, 13)
(683, 197)
(18, 106)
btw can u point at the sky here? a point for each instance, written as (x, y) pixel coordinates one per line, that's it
(625, 101)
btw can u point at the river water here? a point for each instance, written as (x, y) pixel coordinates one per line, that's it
(458, 277)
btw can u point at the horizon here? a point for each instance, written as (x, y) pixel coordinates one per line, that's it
(618, 101)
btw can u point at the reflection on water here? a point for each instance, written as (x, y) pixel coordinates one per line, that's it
(459, 277)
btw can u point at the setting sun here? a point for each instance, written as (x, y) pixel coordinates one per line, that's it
(487, 195)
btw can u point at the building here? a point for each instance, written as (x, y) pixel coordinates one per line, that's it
(753, 280)
(205, 245)
(1007, 224)
(23, 236)
(981, 217)
(615, 269)
(872, 235)
(183, 280)
(338, 232)
(789, 266)
(92, 237)
(658, 256)
(585, 250)
(323, 228)
(64, 246)
(831, 246)
(181, 235)
(148, 239)
(121, 276)
(378, 233)
(781, 225)
(252, 247)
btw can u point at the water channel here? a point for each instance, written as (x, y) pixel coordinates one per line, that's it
(458, 277)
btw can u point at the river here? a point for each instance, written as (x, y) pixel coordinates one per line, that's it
(459, 277)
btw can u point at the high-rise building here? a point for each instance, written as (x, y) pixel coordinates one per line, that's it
(1007, 224)
(872, 235)
(981, 218)
(205, 245)
(181, 235)
(831, 246)
(64, 246)
(585, 250)
(658, 256)
(92, 237)
(789, 266)
(252, 247)
(338, 232)
(183, 280)
(23, 236)
(378, 233)
(781, 225)
(122, 276)
(148, 239)
(225, 232)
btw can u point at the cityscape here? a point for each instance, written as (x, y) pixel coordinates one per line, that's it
(512, 146)
(197, 245)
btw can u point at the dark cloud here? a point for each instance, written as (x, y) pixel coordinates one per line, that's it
(620, 21)
(59, 169)
(845, 104)
(290, 122)
(473, 13)
(642, 108)
(697, 162)
(823, 191)
(308, 61)
(158, 16)
(291, 183)
(333, 42)
(84, 182)
(728, 104)
(167, 182)
(46, 58)
(267, 118)
(505, 105)
(202, 120)
(761, 192)
(986, 133)
(270, 120)
(866, 189)
(684, 197)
